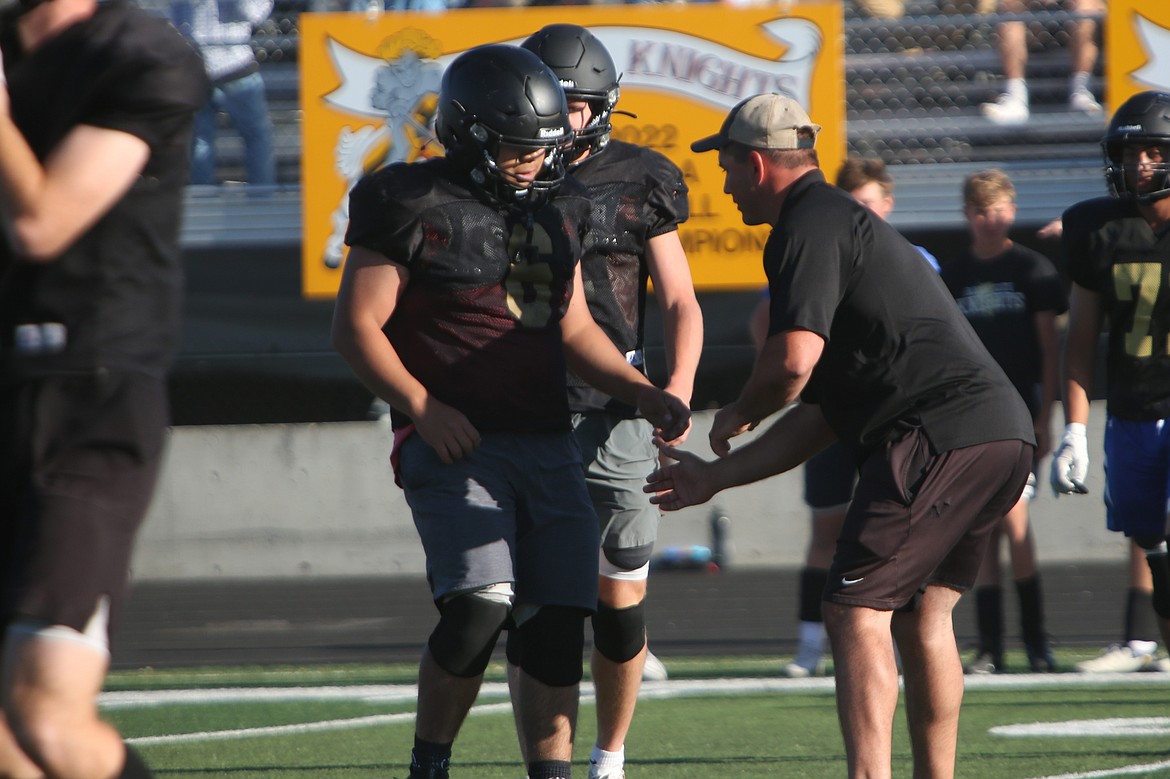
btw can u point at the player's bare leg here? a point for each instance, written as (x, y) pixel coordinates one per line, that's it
(867, 686)
(933, 680)
(617, 684)
(443, 701)
(548, 718)
(50, 691)
(14, 763)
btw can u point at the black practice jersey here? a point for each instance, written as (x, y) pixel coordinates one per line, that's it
(637, 194)
(898, 353)
(479, 321)
(1110, 249)
(1000, 297)
(111, 300)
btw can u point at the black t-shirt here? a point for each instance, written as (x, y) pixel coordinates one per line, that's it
(637, 194)
(1110, 249)
(479, 321)
(113, 297)
(898, 353)
(1000, 297)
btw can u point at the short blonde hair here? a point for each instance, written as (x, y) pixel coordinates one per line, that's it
(985, 187)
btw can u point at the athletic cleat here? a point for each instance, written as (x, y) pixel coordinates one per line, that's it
(1042, 662)
(1007, 109)
(1082, 101)
(653, 670)
(984, 663)
(797, 670)
(1121, 658)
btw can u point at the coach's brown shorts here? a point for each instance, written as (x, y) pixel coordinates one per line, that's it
(920, 518)
(78, 464)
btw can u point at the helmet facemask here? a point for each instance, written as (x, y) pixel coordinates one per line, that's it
(499, 96)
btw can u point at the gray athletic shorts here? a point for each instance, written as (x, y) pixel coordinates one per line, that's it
(515, 510)
(80, 457)
(619, 454)
(920, 518)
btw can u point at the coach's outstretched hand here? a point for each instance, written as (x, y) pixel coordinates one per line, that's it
(685, 482)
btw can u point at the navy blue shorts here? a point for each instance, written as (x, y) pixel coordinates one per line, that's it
(829, 478)
(1137, 477)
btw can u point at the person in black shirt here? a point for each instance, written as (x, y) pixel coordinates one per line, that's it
(639, 199)
(95, 127)
(461, 305)
(869, 348)
(1118, 257)
(1011, 295)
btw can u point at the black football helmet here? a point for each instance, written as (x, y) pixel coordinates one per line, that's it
(1144, 119)
(497, 95)
(586, 72)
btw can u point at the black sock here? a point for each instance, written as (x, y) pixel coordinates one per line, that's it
(1032, 616)
(550, 769)
(812, 590)
(1139, 616)
(989, 621)
(134, 768)
(430, 755)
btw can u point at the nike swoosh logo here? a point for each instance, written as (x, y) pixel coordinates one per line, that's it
(847, 582)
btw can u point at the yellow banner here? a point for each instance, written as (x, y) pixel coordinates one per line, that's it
(369, 87)
(1137, 45)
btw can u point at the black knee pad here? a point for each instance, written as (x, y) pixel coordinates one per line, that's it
(629, 559)
(619, 634)
(551, 645)
(468, 628)
(1159, 573)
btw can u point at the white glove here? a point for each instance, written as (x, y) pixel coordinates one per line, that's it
(1070, 463)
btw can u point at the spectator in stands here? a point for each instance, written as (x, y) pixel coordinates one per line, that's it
(1012, 106)
(1011, 295)
(222, 29)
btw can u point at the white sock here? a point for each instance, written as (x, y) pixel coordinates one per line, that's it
(812, 635)
(1017, 88)
(1078, 82)
(608, 762)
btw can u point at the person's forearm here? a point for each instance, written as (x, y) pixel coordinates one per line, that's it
(21, 174)
(683, 327)
(796, 435)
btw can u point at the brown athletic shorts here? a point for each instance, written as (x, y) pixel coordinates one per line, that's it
(79, 460)
(920, 518)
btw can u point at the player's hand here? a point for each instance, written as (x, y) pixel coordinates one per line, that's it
(727, 424)
(683, 483)
(1070, 463)
(447, 431)
(670, 416)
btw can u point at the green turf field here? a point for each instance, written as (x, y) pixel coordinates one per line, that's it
(714, 718)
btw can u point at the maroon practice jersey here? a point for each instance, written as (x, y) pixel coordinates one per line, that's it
(479, 321)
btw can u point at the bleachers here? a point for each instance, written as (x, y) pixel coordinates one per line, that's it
(913, 89)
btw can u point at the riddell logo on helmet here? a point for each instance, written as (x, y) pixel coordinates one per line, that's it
(1130, 128)
(550, 132)
(568, 83)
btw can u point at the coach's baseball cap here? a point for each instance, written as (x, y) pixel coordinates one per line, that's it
(763, 122)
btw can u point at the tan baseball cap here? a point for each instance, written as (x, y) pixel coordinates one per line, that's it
(763, 122)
